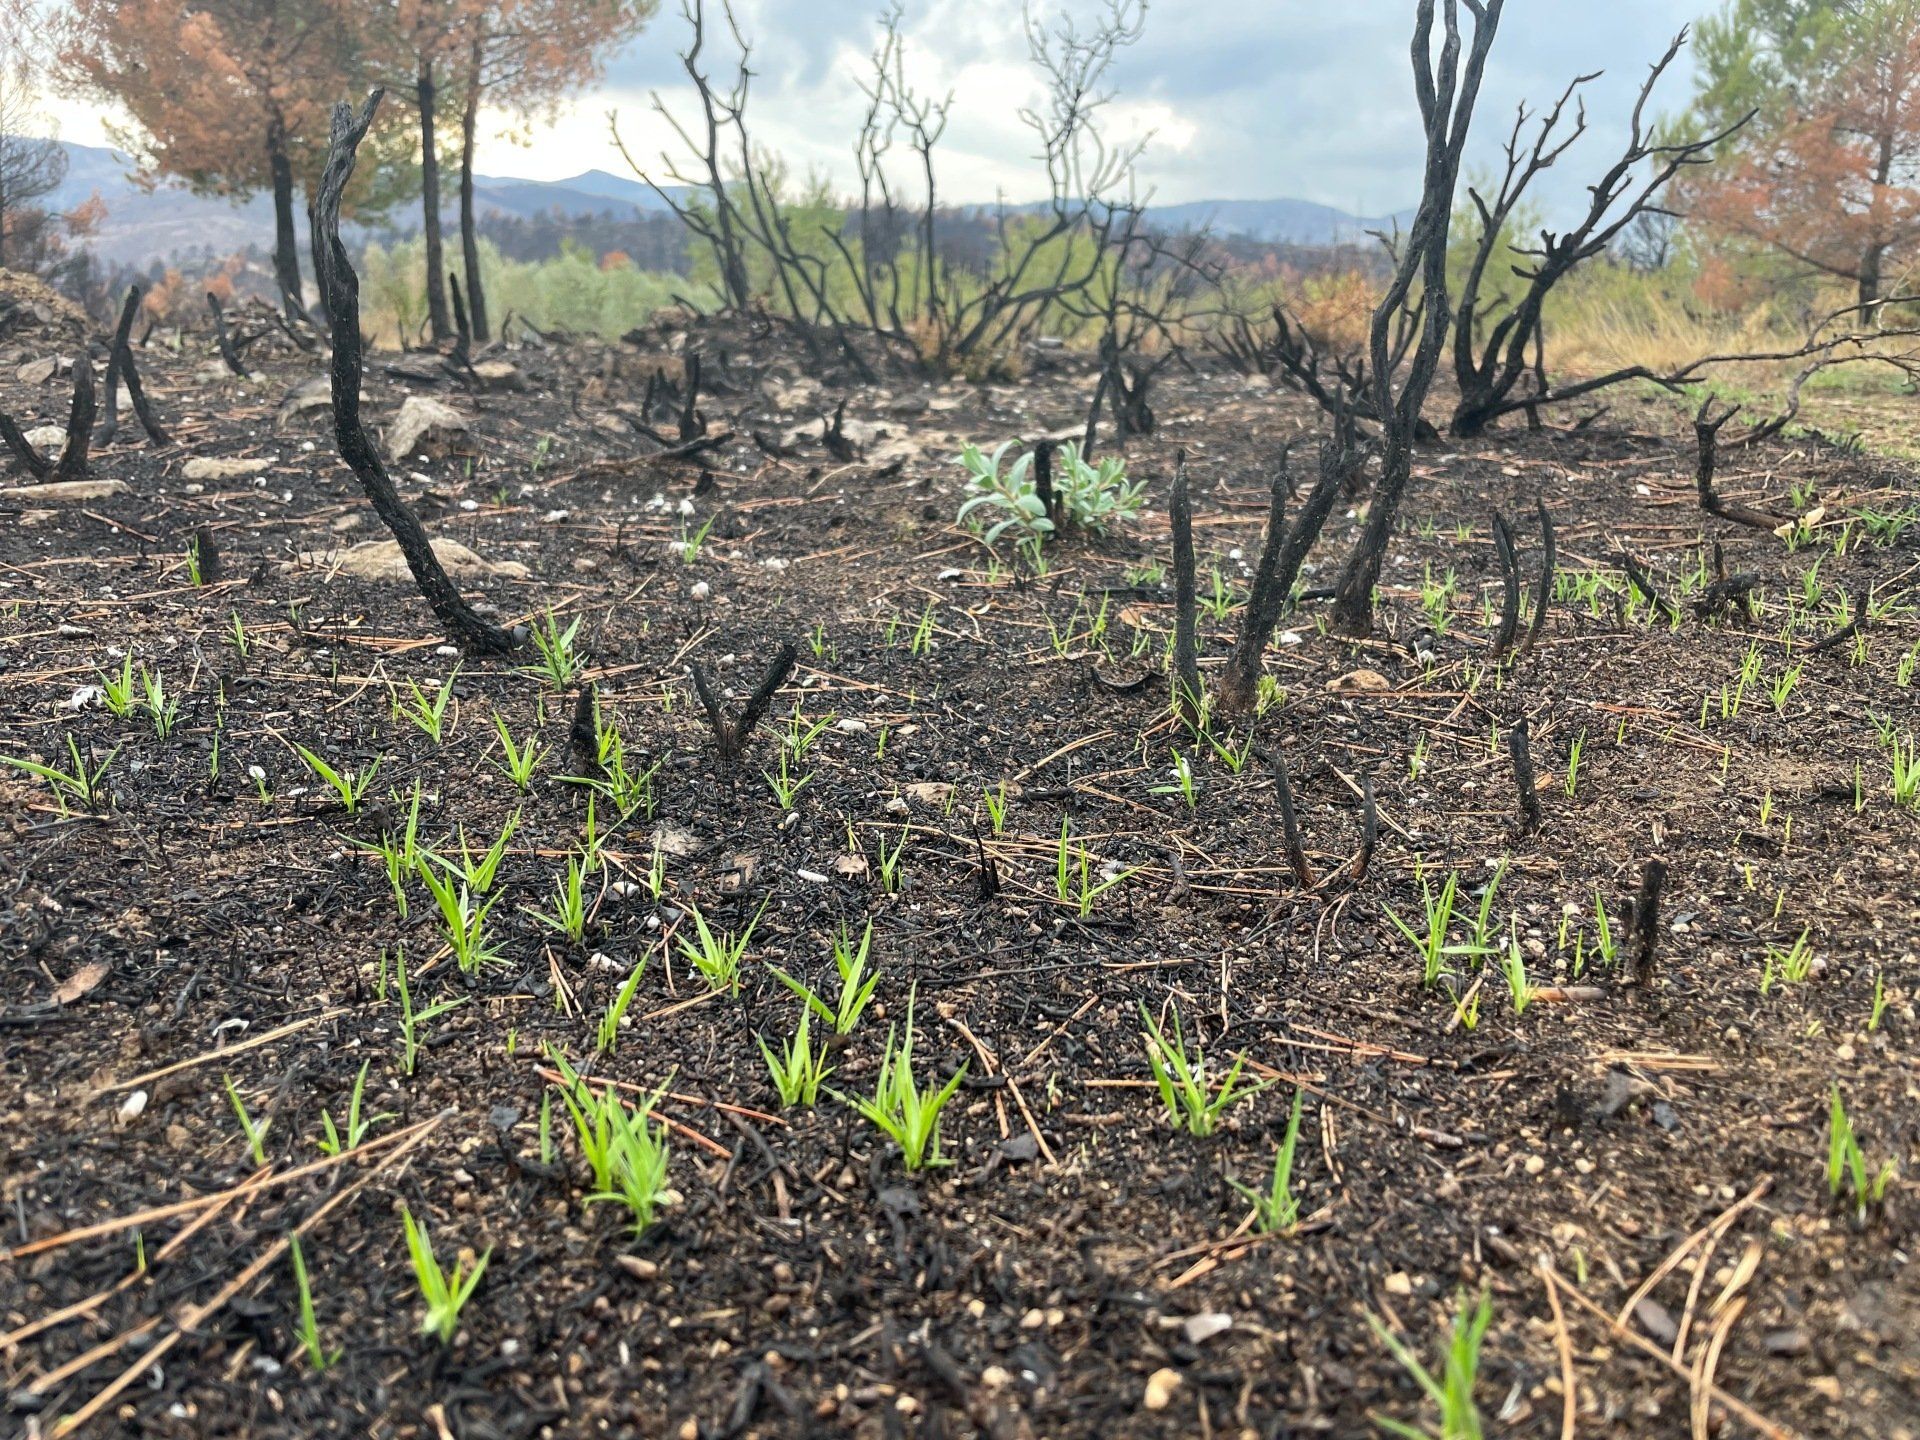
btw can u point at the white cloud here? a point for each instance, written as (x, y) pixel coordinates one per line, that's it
(1248, 99)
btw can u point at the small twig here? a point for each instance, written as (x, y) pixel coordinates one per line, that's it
(1569, 1399)
(1753, 1417)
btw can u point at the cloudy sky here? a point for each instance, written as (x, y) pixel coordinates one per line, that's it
(1246, 99)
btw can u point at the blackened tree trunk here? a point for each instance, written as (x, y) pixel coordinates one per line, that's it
(315, 247)
(467, 627)
(1446, 90)
(469, 239)
(424, 90)
(286, 255)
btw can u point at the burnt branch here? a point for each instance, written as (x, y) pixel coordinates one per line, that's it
(1043, 479)
(1543, 588)
(1727, 592)
(1644, 933)
(583, 731)
(122, 370)
(1509, 562)
(72, 464)
(730, 736)
(1862, 613)
(1283, 552)
(1498, 338)
(224, 338)
(1188, 702)
(1706, 431)
(207, 559)
(1369, 831)
(31, 460)
(1643, 586)
(342, 288)
(1520, 753)
(1289, 821)
(1447, 86)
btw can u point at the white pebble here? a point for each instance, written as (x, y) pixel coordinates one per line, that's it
(700, 590)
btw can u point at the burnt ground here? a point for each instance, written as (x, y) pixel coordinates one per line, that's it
(1664, 1143)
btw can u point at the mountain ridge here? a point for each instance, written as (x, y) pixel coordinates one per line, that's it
(168, 220)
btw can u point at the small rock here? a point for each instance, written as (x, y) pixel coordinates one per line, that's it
(209, 467)
(1654, 1319)
(1786, 1342)
(498, 375)
(1160, 1387)
(132, 1108)
(57, 490)
(382, 560)
(1398, 1283)
(38, 372)
(425, 426)
(1359, 680)
(638, 1268)
(1201, 1328)
(700, 590)
(47, 439)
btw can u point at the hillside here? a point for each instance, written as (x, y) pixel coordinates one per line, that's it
(144, 225)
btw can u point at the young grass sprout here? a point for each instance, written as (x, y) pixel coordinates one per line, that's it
(316, 1353)
(800, 1069)
(717, 955)
(82, 783)
(1277, 1208)
(256, 1133)
(412, 1020)
(899, 1108)
(518, 762)
(350, 787)
(430, 716)
(568, 912)
(1847, 1171)
(331, 1140)
(446, 1295)
(608, 1035)
(1452, 1390)
(623, 1147)
(1181, 1075)
(857, 982)
(560, 665)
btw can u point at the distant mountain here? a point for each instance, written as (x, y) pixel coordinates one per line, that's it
(145, 225)
(1288, 222)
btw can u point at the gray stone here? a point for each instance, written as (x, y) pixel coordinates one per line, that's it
(382, 560)
(425, 426)
(211, 467)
